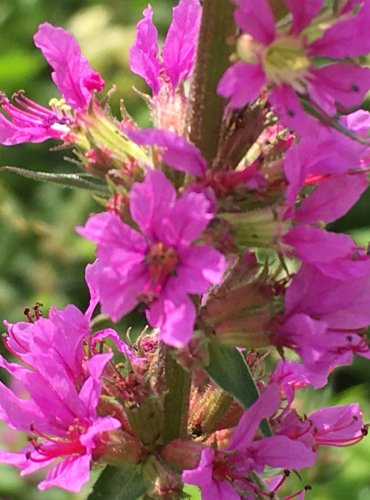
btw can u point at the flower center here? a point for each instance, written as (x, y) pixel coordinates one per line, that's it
(285, 61)
(162, 262)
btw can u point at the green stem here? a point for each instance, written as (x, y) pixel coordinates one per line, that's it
(176, 400)
(206, 107)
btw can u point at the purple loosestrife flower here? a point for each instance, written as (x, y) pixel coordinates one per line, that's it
(166, 73)
(324, 318)
(63, 388)
(223, 474)
(158, 266)
(27, 121)
(284, 59)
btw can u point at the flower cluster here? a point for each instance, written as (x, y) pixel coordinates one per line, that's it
(226, 255)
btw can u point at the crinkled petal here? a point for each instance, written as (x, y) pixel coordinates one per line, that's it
(178, 154)
(72, 74)
(186, 221)
(118, 291)
(100, 425)
(332, 199)
(118, 243)
(202, 475)
(346, 38)
(265, 406)
(12, 134)
(144, 59)
(303, 12)
(71, 474)
(242, 83)
(287, 106)
(280, 451)
(346, 84)
(151, 200)
(200, 266)
(255, 18)
(181, 41)
(174, 315)
(312, 244)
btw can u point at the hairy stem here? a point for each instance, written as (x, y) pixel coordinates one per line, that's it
(206, 107)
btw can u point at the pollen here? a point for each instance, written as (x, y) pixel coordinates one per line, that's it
(285, 61)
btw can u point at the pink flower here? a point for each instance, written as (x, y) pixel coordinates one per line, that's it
(223, 474)
(285, 61)
(63, 387)
(178, 53)
(323, 327)
(74, 78)
(159, 266)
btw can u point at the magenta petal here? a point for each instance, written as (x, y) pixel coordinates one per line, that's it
(202, 475)
(151, 200)
(303, 12)
(144, 59)
(346, 84)
(280, 451)
(287, 106)
(347, 38)
(200, 266)
(255, 18)
(179, 153)
(265, 406)
(312, 244)
(242, 82)
(71, 474)
(117, 242)
(332, 199)
(72, 74)
(174, 314)
(186, 221)
(181, 41)
(118, 291)
(101, 424)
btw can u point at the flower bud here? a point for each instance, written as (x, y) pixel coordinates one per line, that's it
(163, 482)
(119, 447)
(182, 454)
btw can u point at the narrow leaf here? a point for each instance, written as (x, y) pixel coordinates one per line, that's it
(228, 369)
(123, 483)
(77, 181)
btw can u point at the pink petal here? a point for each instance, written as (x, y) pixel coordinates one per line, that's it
(332, 199)
(200, 266)
(181, 41)
(187, 220)
(144, 52)
(286, 105)
(265, 406)
(174, 314)
(72, 74)
(242, 82)
(255, 18)
(347, 38)
(151, 200)
(71, 474)
(346, 84)
(280, 451)
(101, 424)
(303, 12)
(178, 154)
(202, 475)
(312, 244)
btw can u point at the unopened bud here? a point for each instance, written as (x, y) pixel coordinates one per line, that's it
(163, 482)
(119, 447)
(182, 454)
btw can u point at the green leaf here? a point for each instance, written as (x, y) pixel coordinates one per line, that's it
(228, 369)
(123, 483)
(77, 181)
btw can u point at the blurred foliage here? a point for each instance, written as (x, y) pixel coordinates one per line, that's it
(43, 259)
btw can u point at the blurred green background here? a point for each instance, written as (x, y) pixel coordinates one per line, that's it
(41, 257)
